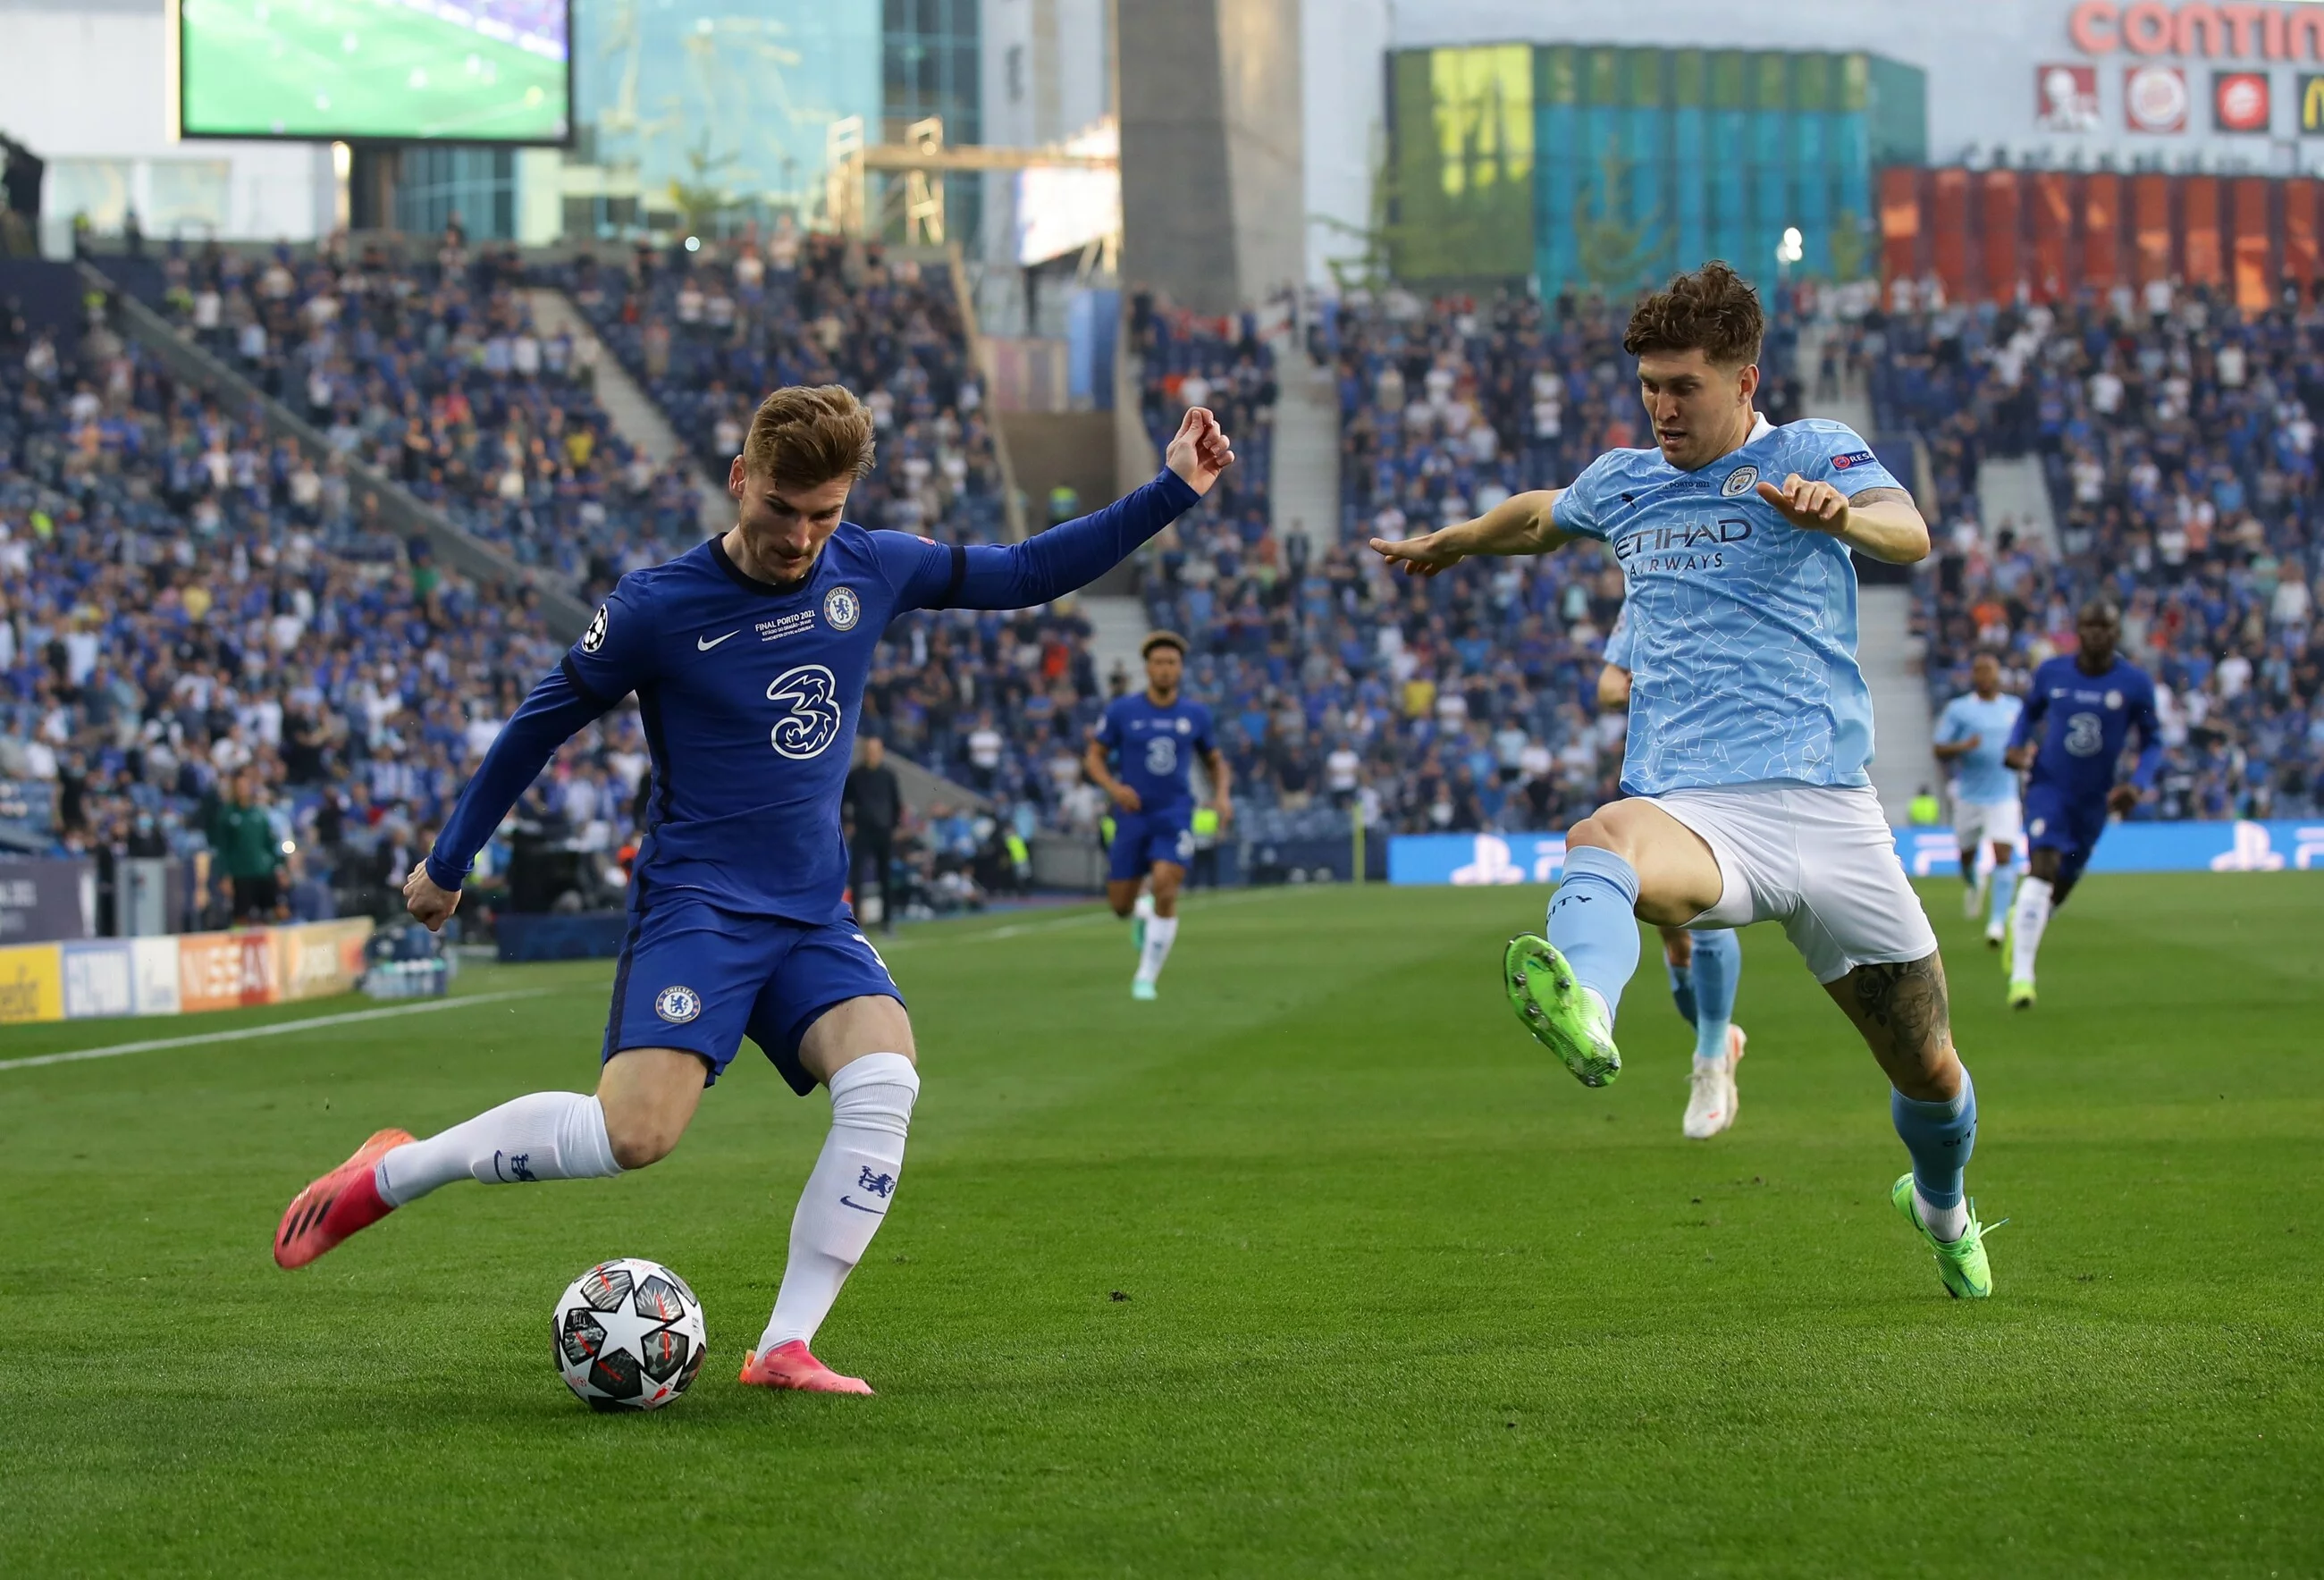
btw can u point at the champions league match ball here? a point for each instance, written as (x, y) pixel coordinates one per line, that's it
(628, 1335)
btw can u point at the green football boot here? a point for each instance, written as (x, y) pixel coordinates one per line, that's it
(1143, 991)
(1561, 1016)
(2021, 993)
(1961, 1264)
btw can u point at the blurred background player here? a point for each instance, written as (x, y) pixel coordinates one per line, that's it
(2083, 707)
(1156, 736)
(1705, 968)
(1971, 735)
(753, 650)
(1747, 795)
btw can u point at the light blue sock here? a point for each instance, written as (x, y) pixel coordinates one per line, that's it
(1717, 967)
(2005, 890)
(1682, 991)
(1940, 1136)
(1592, 922)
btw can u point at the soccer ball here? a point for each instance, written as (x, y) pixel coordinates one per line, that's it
(628, 1335)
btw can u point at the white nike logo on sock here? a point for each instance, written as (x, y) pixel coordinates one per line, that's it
(704, 644)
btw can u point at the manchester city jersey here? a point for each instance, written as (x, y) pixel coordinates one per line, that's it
(1741, 627)
(1156, 747)
(1980, 778)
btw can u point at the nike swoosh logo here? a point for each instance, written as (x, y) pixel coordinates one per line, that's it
(702, 645)
(858, 1207)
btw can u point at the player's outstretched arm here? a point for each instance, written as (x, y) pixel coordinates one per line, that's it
(1521, 524)
(551, 716)
(1069, 555)
(1882, 522)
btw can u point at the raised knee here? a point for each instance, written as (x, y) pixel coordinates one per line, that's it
(639, 1148)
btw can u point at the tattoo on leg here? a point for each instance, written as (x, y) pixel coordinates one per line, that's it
(1907, 1000)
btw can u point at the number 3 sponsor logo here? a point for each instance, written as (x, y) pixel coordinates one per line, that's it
(2085, 735)
(813, 721)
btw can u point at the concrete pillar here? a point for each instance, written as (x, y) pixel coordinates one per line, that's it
(1212, 194)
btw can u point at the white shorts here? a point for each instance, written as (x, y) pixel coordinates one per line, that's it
(1992, 822)
(1819, 859)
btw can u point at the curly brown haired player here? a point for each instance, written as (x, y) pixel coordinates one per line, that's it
(749, 657)
(1746, 795)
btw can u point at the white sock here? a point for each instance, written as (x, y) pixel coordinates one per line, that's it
(1160, 934)
(2033, 916)
(547, 1135)
(847, 1193)
(1946, 1223)
(1143, 910)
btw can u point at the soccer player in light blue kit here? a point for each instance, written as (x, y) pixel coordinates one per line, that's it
(2083, 706)
(1156, 735)
(1972, 733)
(1705, 966)
(748, 655)
(1747, 798)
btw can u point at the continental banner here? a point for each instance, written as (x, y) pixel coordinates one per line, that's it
(97, 978)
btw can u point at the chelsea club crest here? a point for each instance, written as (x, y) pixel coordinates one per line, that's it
(677, 1005)
(842, 608)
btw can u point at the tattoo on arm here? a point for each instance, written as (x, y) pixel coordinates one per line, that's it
(1905, 999)
(1879, 496)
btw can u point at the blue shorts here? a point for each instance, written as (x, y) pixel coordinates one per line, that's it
(2055, 821)
(1140, 839)
(698, 978)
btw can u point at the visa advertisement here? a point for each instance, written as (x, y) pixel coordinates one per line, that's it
(2281, 846)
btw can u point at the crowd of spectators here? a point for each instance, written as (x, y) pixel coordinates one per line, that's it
(2176, 437)
(708, 333)
(196, 620)
(438, 373)
(195, 647)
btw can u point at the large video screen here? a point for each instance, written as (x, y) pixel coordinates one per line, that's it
(449, 70)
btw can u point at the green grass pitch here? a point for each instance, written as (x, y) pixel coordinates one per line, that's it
(359, 68)
(1318, 1266)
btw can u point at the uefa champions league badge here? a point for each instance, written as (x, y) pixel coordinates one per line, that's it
(1738, 483)
(595, 637)
(842, 608)
(677, 1005)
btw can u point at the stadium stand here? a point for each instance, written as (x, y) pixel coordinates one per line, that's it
(2175, 437)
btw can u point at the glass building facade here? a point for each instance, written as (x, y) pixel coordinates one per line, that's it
(929, 64)
(1601, 167)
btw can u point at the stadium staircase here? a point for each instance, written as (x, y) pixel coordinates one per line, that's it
(634, 416)
(1304, 486)
(407, 515)
(1887, 650)
(2011, 492)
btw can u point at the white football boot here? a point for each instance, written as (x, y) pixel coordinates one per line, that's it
(1711, 1106)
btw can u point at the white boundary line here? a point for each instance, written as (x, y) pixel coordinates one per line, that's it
(276, 1030)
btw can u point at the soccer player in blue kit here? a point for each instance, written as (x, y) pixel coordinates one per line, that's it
(1747, 795)
(1971, 735)
(1705, 967)
(748, 655)
(2083, 706)
(1156, 734)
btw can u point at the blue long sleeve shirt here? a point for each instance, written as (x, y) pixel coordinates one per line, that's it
(750, 695)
